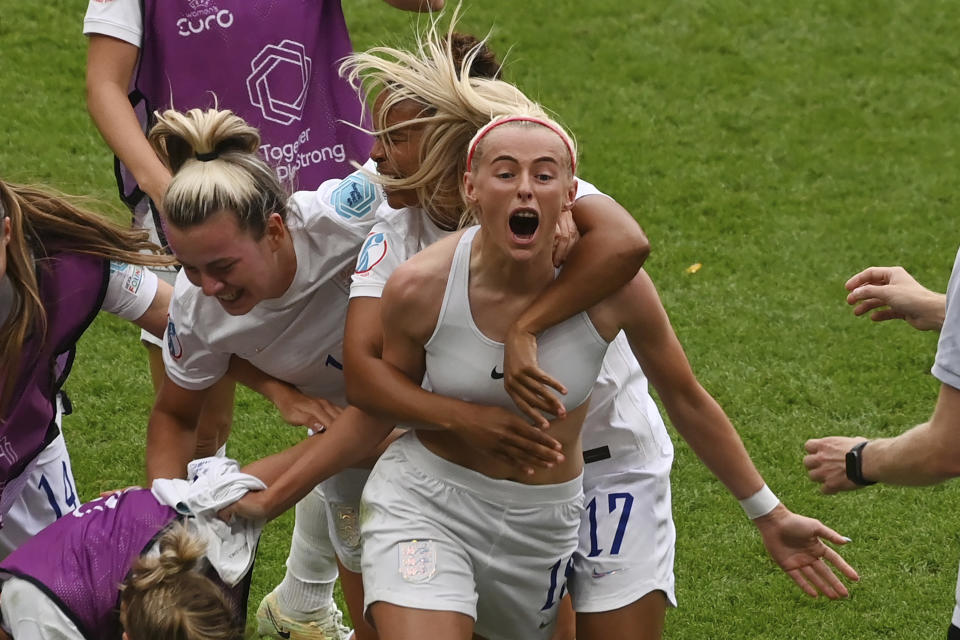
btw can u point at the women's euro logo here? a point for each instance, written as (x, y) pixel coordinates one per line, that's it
(372, 252)
(173, 342)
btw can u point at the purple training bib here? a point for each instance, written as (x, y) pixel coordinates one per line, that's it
(272, 62)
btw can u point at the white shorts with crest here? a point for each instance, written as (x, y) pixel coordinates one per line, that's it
(442, 537)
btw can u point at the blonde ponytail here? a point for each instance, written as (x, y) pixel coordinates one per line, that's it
(213, 157)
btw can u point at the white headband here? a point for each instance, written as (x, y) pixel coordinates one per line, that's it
(490, 126)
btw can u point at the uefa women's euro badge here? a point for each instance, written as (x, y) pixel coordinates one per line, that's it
(418, 560)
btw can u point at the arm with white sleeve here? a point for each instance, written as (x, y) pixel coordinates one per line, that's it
(191, 369)
(135, 293)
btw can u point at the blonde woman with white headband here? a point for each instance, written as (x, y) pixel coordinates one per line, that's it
(457, 540)
(442, 516)
(425, 111)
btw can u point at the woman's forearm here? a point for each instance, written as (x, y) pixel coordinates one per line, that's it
(110, 65)
(609, 254)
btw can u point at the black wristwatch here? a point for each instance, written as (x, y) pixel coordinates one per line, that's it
(855, 465)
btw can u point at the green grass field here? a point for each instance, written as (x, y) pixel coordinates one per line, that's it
(782, 145)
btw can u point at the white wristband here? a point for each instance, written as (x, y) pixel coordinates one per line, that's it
(760, 504)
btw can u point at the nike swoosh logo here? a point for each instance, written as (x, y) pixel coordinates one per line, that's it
(280, 632)
(543, 625)
(603, 574)
(496, 375)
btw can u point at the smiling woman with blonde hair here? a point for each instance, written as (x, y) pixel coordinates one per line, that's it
(263, 284)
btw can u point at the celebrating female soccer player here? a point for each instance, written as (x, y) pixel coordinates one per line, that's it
(433, 500)
(423, 114)
(264, 278)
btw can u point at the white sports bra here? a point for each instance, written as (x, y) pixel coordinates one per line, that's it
(465, 364)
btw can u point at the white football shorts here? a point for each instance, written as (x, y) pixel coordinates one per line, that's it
(48, 492)
(343, 493)
(442, 537)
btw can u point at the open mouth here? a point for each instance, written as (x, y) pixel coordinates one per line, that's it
(524, 224)
(229, 297)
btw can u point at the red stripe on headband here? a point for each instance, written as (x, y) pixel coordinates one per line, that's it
(544, 123)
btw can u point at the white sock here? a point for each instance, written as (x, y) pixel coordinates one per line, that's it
(312, 563)
(299, 599)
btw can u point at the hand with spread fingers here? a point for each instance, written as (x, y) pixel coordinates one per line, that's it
(796, 543)
(894, 294)
(529, 386)
(509, 437)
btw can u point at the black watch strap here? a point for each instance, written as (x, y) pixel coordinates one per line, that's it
(854, 461)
